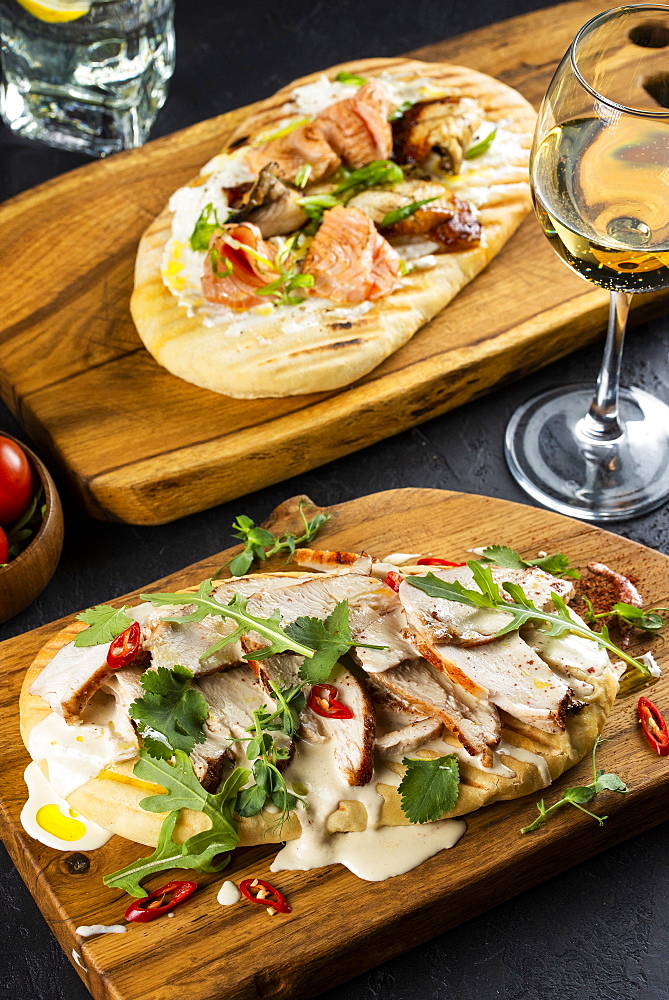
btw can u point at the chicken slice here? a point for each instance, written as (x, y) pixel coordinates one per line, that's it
(518, 681)
(71, 678)
(473, 720)
(537, 584)
(409, 738)
(125, 687)
(334, 562)
(353, 738)
(447, 620)
(186, 643)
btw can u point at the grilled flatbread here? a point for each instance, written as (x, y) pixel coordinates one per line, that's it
(321, 345)
(532, 759)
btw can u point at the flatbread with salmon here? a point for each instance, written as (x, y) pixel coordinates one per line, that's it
(430, 679)
(344, 214)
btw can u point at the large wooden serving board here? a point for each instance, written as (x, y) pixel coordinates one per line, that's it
(341, 926)
(139, 444)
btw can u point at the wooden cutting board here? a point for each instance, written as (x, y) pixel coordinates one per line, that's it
(140, 445)
(341, 926)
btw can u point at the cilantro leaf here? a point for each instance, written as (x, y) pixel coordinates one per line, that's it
(170, 715)
(330, 638)
(183, 791)
(104, 623)
(429, 788)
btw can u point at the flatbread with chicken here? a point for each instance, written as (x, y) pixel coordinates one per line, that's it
(424, 678)
(345, 213)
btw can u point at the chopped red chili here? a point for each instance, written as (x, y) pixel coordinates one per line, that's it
(251, 887)
(323, 701)
(125, 647)
(155, 904)
(437, 562)
(654, 726)
(393, 580)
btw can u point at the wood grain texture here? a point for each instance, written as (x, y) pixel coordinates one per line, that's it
(339, 925)
(142, 446)
(27, 575)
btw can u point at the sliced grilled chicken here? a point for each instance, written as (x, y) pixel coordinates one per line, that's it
(409, 738)
(471, 719)
(270, 205)
(125, 687)
(353, 738)
(571, 657)
(211, 758)
(334, 562)
(187, 643)
(232, 697)
(71, 679)
(438, 130)
(518, 681)
(388, 631)
(537, 584)
(448, 621)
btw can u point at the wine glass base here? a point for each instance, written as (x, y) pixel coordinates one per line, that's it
(563, 468)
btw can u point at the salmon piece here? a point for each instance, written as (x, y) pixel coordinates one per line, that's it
(305, 144)
(349, 260)
(237, 289)
(358, 128)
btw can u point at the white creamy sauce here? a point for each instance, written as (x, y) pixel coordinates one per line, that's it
(399, 558)
(498, 767)
(77, 958)
(228, 894)
(74, 754)
(651, 663)
(528, 757)
(48, 818)
(314, 97)
(89, 930)
(373, 854)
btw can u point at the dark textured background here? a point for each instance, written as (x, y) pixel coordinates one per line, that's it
(600, 931)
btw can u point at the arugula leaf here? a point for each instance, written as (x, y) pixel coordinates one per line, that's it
(601, 781)
(400, 214)
(344, 77)
(104, 622)
(204, 228)
(269, 628)
(429, 788)
(260, 544)
(171, 714)
(482, 146)
(520, 608)
(183, 791)
(556, 565)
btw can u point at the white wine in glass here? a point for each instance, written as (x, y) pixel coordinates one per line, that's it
(600, 181)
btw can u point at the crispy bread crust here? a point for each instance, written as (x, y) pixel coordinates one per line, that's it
(280, 363)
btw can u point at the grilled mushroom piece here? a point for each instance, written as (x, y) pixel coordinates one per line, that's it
(270, 205)
(443, 127)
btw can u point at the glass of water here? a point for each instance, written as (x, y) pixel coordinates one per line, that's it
(89, 76)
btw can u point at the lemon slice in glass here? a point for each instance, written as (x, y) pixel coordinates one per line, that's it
(56, 11)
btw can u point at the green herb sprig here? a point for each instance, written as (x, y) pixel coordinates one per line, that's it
(556, 564)
(648, 621)
(205, 227)
(601, 782)
(520, 608)
(182, 791)
(429, 788)
(260, 544)
(104, 624)
(344, 77)
(400, 214)
(481, 147)
(171, 714)
(399, 110)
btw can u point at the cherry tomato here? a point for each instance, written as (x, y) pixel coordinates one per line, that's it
(4, 548)
(16, 481)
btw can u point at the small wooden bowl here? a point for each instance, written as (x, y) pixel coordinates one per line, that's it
(26, 576)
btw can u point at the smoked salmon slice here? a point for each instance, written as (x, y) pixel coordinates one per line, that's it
(358, 128)
(303, 145)
(349, 260)
(231, 274)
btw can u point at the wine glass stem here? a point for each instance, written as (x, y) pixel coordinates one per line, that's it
(602, 422)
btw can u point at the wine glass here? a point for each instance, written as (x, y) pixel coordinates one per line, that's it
(600, 181)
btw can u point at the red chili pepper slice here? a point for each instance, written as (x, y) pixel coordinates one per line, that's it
(125, 647)
(271, 897)
(654, 726)
(153, 905)
(323, 701)
(437, 562)
(393, 580)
